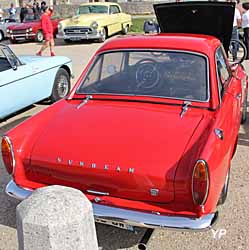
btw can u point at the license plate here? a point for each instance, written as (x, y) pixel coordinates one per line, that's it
(75, 38)
(20, 38)
(115, 224)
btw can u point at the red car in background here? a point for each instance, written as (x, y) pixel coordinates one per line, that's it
(29, 30)
(150, 128)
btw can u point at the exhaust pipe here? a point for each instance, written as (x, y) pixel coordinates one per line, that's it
(142, 245)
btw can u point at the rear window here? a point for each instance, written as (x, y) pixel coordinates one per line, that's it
(169, 74)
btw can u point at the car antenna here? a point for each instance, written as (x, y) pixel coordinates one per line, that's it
(185, 108)
(87, 98)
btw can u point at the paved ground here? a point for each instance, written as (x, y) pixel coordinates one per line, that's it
(233, 215)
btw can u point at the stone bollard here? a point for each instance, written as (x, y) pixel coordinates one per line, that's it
(56, 218)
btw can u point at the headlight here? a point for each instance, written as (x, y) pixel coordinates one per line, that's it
(94, 25)
(7, 30)
(30, 29)
(59, 26)
(11, 31)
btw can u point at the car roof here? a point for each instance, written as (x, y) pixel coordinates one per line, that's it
(99, 3)
(188, 42)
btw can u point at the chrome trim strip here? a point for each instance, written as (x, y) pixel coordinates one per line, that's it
(11, 151)
(149, 50)
(133, 218)
(97, 192)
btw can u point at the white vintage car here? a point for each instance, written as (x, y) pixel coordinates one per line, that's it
(4, 24)
(95, 21)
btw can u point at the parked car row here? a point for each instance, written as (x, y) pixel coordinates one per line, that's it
(151, 126)
(95, 21)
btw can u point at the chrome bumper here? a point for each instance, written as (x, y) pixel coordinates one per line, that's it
(24, 35)
(78, 37)
(115, 216)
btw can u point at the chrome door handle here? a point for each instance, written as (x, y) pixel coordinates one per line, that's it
(238, 96)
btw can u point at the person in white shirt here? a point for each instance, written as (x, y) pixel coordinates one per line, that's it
(235, 34)
(245, 26)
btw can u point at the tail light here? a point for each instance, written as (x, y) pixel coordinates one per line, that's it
(200, 182)
(8, 155)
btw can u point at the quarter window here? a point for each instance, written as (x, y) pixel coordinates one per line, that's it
(114, 9)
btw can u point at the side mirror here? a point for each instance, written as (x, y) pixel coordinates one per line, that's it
(237, 53)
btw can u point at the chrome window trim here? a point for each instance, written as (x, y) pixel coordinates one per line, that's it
(149, 50)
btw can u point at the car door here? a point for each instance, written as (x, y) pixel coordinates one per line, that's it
(19, 86)
(115, 25)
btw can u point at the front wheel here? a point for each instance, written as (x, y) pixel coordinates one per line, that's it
(1, 35)
(61, 86)
(103, 35)
(39, 36)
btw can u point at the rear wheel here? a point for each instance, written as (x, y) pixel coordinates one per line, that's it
(223, 195)
(61, 86)
(125, 29)
(1, 35)
(244, 111)
(39, 36)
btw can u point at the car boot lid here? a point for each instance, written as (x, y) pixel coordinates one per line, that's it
(207, 18)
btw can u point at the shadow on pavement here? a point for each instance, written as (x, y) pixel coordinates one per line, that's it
(117, 238)
(244, 137)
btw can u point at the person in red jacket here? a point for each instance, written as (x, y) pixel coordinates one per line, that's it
(47, 29)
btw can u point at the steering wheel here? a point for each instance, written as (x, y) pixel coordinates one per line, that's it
(147, 74)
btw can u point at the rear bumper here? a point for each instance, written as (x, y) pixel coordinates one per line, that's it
(113, 216)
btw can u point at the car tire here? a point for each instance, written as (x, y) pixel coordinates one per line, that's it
(61, 86)
(244, 111)
(104, 35)
(39, 36)
(125, 30)
(13, 41)
(1, 35)
(223, 195)
(67, 41)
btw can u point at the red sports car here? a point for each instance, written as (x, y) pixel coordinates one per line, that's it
(150, 128)
(29, 30)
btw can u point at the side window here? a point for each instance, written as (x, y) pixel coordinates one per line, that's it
(222, 70)
(114, 9)
(4, 63)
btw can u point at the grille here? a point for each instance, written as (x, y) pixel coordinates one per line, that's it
(77, 31)
(16, 32)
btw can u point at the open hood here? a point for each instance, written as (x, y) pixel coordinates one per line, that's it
(207, 18)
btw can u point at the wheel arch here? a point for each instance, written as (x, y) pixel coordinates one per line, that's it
(67, 69)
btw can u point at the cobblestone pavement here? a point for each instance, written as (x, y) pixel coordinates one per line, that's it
(233, 215)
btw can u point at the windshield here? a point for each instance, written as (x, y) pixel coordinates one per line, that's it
(169, 74)
(31, 18)
(88, 9)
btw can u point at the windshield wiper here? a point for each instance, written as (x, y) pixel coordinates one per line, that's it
(185, 108)
(84, 101)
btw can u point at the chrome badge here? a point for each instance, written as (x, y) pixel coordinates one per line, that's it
(154, 192)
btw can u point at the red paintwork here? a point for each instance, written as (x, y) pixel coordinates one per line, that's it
(35, 25)
(152, 138)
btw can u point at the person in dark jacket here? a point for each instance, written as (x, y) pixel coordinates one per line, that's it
(47, 29)
(23, 12)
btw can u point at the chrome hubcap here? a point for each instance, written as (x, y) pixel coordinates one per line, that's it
(62, 86)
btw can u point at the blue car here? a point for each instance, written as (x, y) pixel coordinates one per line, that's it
(25, 80)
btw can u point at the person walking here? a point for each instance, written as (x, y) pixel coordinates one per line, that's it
(1, 14)
(47, 29)
(235, 33)
(245, 27)
(12, 11)
(43, 5)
